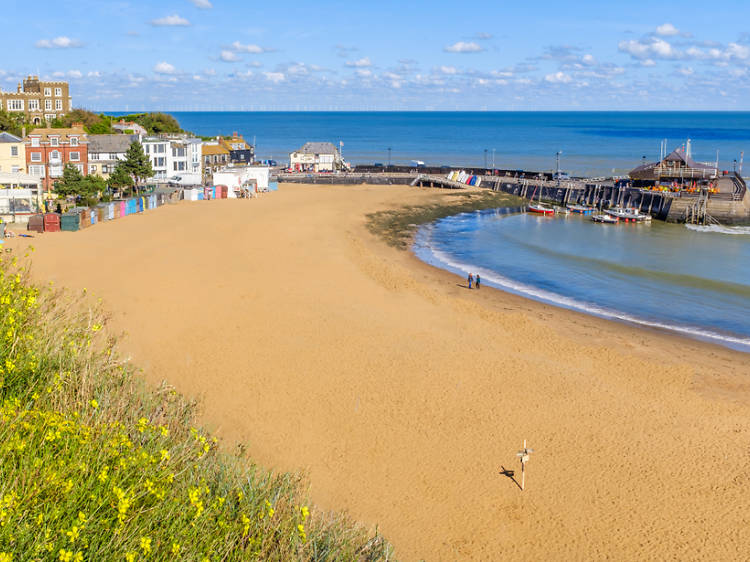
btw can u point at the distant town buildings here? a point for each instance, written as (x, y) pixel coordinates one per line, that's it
(130, 127)
(41, 102)
(174, 156)
(240, 152)
(48, 151)
(316, 157)
(215, 157)
(12, 154)
(105, 151)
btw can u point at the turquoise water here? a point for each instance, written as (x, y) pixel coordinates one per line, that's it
(593, 143)
(692, 281)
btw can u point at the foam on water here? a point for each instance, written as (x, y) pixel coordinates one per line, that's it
(427, 252)
(720, 229)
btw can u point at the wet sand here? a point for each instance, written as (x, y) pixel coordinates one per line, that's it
(403, 395)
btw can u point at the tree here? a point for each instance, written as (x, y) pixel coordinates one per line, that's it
(120, 178)
(136, 163)
(75, 184)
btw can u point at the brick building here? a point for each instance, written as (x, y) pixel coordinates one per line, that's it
(40, 101)
(49, 150)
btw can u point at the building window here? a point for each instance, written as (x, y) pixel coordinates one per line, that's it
(54, 155)
(34, 141)
(55, 171)
(48, 105)
(48, 92)
(105, 169)
(37, 171)
(15, 105)
(74, 156)
(33, 105)
(94, 156)
(58, 105)
(79, 167)
(54, 141)
(36, 156)
(58, 92)
(15, 169)
(73, 141)
(14, 151)
(92, 169)
(159, 162)
(160, 148)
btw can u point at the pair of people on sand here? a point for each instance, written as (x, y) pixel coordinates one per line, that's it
(476, 282)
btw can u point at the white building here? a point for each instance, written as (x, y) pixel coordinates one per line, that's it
(20, 196)
(174, 157)
(316, 157)
(243, 177)
(105, 151)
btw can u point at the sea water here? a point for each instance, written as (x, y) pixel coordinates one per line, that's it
(592, 143)
(693, 281)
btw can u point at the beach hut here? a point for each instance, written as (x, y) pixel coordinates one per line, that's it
(152, 201)
(52, 222)
(36, 223)
(70, 222)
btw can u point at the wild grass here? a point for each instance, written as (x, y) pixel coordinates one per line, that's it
(94, 465)
(397, 226)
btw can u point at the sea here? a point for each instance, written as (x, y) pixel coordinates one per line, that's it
(690, 280)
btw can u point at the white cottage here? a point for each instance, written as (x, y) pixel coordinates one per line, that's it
(316, 157)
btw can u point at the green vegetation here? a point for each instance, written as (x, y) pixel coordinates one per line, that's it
(95, 466)
(397, 227)
(136, 164)
(101, 124)
(73, 183)
(14, 123)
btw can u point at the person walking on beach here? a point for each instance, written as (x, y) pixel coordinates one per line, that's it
(478, 281)
(471, 280)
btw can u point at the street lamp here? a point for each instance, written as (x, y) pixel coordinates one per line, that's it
(493, 160)
(389, 156)
(485, 158)
(557, 165)
(734, 166)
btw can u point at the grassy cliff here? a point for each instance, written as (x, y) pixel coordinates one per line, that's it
(94, 465)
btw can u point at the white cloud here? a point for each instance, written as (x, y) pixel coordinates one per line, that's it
(171, 21)
(244, 74)
(649, 48)
(75, 74)
(686, 71)
(667, 30)
(61, 42)
(588, 60)
(448, 70)
(229, 56)
(558, 78)
(274, 77)
(202, 4)
(255, 49)
(648, 62)
(94, 74)
(361, 63)
(462, 47)
(164, 68)
(364, 72)
(210, 72)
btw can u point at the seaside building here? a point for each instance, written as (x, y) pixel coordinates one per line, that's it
(12, 154)
(48, 151)
(39, 101)
(215, 157)
(316, 157)
(130, 128)
(675, 166)
(174, 156)
(240, 152)
(20, 196)
(105, 151)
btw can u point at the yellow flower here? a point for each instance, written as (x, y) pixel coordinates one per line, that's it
(146, 545)
(65, 555)
(78, 557)
(164, 455)
(6, 557)
(175, 548)
(130, 557)
(164, 430)
(142, 424)
(94, 404)
(73, 534)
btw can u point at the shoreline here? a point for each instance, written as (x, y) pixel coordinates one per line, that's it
(402, 395)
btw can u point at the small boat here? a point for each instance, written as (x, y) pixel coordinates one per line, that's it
(605, 219)
(541, 209)
(581, 209)
(562, 211)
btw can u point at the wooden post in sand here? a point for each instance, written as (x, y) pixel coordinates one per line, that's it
(523, 455)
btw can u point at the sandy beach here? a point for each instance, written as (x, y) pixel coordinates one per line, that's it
(403, 396)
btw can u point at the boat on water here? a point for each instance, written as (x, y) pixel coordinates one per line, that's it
(628, 215)
(539, 208)
(605, 219)
(581, 209)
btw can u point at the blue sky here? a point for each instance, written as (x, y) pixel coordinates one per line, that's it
(387, 55)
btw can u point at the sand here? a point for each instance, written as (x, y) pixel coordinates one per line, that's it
(403, 395)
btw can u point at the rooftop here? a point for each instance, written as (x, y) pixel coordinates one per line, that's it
(7, 137)
(75, 131)
(110, 143)
(318, 148)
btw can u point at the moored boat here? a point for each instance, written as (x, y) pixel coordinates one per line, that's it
(541, 209)
(605, 219)
(581, 209)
